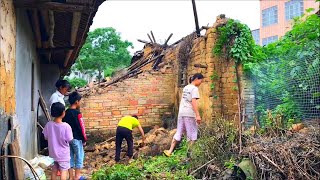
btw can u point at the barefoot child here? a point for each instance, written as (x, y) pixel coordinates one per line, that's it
(58, 134)
(124, 131)
(74, 119)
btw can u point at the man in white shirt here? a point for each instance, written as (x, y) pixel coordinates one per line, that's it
(63, 87)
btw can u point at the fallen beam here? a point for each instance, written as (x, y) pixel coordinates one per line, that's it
(201, 66)
(150, 38)
(143, 41)
(154, 40)
(166, 43)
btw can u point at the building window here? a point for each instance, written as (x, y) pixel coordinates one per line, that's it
(270, 16)
(256, 36)
(294, 8)
(76, 73)
(268, 40)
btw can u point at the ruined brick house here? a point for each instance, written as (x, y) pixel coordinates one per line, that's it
(151, 87)
(40, 40)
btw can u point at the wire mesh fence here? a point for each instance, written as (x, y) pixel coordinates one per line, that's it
(288, 86)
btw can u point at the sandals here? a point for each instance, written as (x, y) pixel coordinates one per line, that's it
(82, 178)
(166, 152)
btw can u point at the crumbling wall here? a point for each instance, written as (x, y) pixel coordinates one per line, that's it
(7, 72)
(149, 95)
(218, 92)
(7, 57)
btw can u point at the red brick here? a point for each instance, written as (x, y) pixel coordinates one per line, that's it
(133, 102)
(116, 112)
(140, 112)
(104, 123)
(113, 123)
(93, 124)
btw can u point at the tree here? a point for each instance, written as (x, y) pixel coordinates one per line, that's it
(103, 49)
(77, 82)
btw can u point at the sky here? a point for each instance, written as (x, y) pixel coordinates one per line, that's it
(134, 19)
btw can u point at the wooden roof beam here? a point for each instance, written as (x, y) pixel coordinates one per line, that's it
(55, 49)
(35, 20)
(46, 44)
(54, 6)
(74, 31)
(51, 28)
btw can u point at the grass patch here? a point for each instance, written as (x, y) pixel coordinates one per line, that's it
(158, 167)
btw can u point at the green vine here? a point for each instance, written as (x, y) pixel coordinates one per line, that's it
(235, 41)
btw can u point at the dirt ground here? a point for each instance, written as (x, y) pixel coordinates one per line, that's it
(100, 150)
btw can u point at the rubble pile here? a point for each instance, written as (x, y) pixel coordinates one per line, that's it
(294, 155)
(102, 154)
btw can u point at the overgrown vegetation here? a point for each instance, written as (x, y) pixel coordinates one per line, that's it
(289, 77)
(236, 42)
(218, 142)
(285, 72)
(158, 167)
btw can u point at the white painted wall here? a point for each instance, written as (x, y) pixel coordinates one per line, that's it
(26, 55)
(45, 77)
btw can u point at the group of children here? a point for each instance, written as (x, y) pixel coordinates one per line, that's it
(66, 137)
(66, 134)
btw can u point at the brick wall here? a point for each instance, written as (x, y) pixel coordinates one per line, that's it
(154, 93)
(149, 96)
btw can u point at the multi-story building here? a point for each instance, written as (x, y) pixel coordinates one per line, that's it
(89, 77)
(256, 35)
(276, 17)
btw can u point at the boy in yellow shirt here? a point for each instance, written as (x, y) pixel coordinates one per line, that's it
(124, 131)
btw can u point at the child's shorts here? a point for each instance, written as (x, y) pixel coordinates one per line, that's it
(76, 154)
(188, 125)
(61, 165)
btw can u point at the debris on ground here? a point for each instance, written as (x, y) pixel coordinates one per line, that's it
(103, 153)
(293, 155)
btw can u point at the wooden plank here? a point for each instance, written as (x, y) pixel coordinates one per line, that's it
(51, 28)
(201, 66)
(54, 6)
(17, 163)
(143, 41)
(4, 151)
(35, 20)
(43, 105)
(154, 40)
(46, 44)
(55, 49)
(166, 43)
(74, 31)
(150, 38)
(196, 17)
